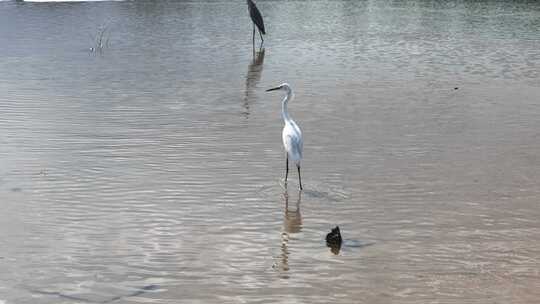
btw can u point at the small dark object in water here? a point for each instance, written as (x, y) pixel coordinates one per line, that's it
(456, 88)
(334, 237)
(333, 240)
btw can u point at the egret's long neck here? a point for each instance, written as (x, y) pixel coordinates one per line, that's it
(284, 111)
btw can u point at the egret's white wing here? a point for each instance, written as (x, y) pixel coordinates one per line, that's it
(298, 140)
(293, 143)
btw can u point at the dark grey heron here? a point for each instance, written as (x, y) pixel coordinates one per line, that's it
(257, 19)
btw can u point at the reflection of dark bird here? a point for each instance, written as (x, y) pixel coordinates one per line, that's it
(333, 240)
(257, 19)
(253, 77)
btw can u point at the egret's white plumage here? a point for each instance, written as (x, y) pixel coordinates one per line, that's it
(291, 135)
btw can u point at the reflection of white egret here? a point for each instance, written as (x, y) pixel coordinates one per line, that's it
(292, 223)
(293, 218)
(291, 135)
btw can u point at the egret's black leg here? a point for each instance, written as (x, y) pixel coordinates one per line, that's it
(286, 168)
(299, 177)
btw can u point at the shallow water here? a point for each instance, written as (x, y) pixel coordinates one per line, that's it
(153, 171)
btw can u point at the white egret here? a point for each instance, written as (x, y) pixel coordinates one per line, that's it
(291, 135)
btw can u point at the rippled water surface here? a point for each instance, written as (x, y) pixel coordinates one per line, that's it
(152, 171)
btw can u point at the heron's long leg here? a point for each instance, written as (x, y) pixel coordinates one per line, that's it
(299, 177)
(262, 40)
(286, 167)
(254, 36)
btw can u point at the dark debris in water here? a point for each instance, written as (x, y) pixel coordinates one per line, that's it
(334, 240)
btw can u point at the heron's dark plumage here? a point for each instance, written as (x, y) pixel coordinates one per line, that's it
(256, 16)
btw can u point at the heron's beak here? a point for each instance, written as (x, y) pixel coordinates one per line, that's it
(273, 89)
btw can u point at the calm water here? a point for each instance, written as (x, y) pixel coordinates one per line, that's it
(152, 172)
